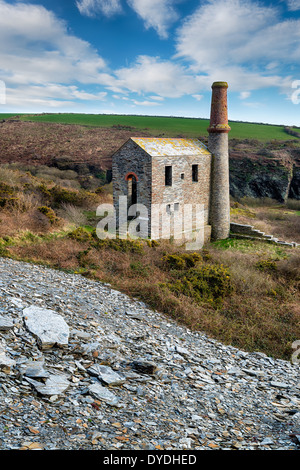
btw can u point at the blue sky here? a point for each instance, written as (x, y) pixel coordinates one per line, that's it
(151, 57)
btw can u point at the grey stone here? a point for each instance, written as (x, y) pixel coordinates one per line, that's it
(106, 374)
(5, 362)
(144, 367)
(54, 385)
(102, 393)
(279, 384)
(34, 369)
(48, 327)
(6, 323)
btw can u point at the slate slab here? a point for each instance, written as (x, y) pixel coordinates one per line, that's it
(48, 327)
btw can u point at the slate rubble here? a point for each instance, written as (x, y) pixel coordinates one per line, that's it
(126, 377)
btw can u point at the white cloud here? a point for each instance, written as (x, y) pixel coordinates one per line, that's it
(146, 103)
(157, 14)
(237, 40)
(152, 75)
(49, 96)
(36, 48)
(198, 97)
(93, 7)
(244, 95)
(293, 5)
(157, 98)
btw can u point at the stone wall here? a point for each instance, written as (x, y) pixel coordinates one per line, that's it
(183, 190)
(131, 158)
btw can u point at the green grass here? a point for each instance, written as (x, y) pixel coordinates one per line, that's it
(170, 126)
(251, 247)
(7, 115)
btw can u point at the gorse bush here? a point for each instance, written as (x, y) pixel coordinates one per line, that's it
(6, 189)
(204, 283)
(83, 235)
(268, 265)
(125, 246)
(49, 213)
(61, 195)
(57, 196)
(80, 234)
(182, 260)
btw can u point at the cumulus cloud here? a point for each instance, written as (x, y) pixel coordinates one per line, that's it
(93, 7)
(157, 14)
(153, 75)
(293, 5)
(36, 47)
(237, 40)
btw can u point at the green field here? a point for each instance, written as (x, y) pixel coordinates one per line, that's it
(7, 115)
(170, 126)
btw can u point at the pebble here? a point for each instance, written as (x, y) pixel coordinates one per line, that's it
(83, 366)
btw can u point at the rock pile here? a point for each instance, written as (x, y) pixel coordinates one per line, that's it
(83, 366)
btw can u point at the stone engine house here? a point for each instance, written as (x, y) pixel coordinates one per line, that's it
(174, 172)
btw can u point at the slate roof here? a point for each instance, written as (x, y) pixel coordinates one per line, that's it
(159, 147)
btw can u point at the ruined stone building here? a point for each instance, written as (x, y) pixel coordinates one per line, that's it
(173, 173)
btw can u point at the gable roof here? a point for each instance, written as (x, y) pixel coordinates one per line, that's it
(159, 147)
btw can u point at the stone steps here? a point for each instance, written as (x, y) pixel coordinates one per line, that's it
(249, 232)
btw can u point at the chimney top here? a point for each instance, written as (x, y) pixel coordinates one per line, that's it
(220, 85)
(219, 112)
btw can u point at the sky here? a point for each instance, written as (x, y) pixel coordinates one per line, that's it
(151, 57)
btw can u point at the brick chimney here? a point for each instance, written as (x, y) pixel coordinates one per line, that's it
(218, 145)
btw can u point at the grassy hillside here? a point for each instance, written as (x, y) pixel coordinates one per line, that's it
(169, 126)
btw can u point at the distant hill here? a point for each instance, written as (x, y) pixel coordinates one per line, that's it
(156, 125)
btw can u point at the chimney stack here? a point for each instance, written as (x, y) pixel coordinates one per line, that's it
(218, 145)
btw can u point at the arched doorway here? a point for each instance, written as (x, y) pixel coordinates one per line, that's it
(132, 180)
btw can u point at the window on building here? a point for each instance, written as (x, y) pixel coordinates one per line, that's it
(182, 176)
(168, 208)
(194, 172)
(176, 206)
(168, 176)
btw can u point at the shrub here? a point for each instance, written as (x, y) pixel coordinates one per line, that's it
(268, 265)
(152, 243)
(67, 196)
(118, 244)
(80, 234)
(205, 283)
(6, 189)
(182, 260)
(49, 213)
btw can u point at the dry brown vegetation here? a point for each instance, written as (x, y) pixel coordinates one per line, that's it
(38, 143)
(242, 292)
